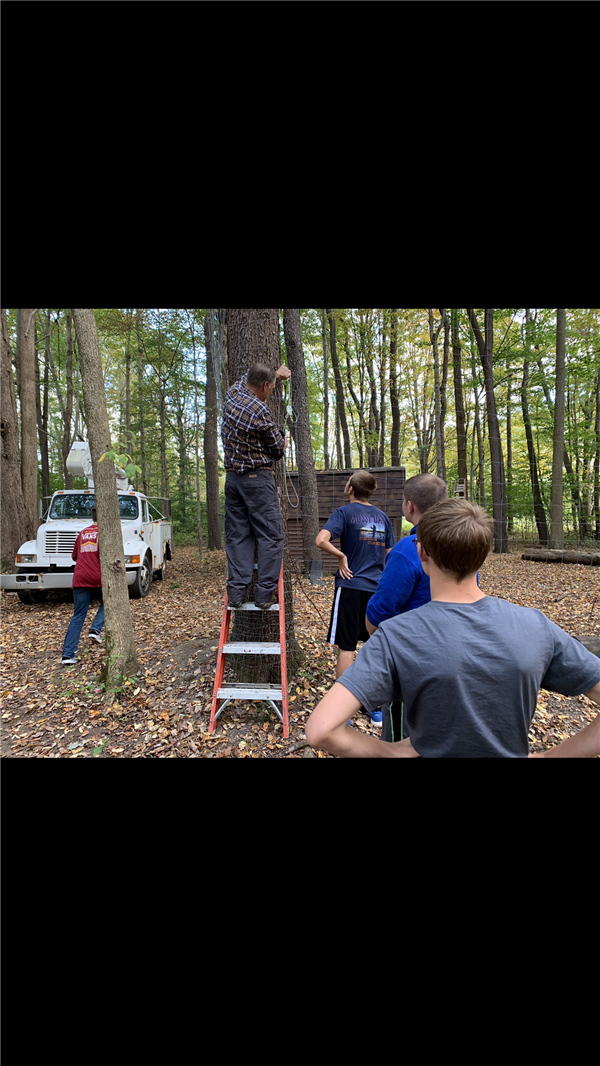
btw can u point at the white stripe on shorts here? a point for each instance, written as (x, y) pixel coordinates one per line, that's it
(335, 614)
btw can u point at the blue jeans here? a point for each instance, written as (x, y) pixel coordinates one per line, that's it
(82, 598)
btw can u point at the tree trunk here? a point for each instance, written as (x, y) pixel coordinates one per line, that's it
(339, 389)
(141, 405)
(307, 477)
(326, 460)
(394, 401)
(16, 525)
(486, 348)
(66, 441)
(211, 451)
(557, 536)
(459, 404)
(253, 336)
(42, 413)
(597, 459)
(121, 659)
(29, 456)
(434, 332)
(538, 504)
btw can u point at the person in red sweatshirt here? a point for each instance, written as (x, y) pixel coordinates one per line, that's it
(87, 579)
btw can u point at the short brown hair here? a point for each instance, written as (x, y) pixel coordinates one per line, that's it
(364, 484)
(259, 373)
(458, 535)
(425, 490)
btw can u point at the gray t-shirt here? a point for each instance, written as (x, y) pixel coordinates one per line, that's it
(469, 674)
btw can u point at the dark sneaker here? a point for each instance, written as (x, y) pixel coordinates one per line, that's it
(70, 662)
(96, 636)
(268, 603)
(237, 601)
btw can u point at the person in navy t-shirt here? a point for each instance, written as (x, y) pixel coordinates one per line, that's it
(366, 536)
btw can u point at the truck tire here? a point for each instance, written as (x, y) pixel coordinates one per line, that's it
(31, 598)
(143, 580)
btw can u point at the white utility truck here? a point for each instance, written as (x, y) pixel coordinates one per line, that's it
(45, 563)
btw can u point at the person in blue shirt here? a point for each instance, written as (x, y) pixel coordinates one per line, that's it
(366, 537)
(404, 585)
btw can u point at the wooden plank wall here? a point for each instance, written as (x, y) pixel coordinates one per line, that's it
(330, 488)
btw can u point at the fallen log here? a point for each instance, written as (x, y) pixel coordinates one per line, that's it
(545, 555)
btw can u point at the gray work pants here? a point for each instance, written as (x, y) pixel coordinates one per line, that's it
(253, 513)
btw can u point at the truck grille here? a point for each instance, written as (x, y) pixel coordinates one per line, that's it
(60, 543)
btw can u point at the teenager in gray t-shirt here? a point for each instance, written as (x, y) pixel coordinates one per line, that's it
(469, 674)
(468, 667)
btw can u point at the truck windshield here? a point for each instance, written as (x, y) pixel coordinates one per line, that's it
(79, 505)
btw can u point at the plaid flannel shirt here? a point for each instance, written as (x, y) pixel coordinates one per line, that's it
(250, 436)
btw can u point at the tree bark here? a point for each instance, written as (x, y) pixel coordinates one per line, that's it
(16, 525)
(394, 400)
(306, 465)
(29, 456)
(434, 332)
(339, 388)
(326, 460)
(538, 503)
(459, 403)
(121, 659)
(486, 347)
(41, 402)
(143, 465)
(211, 452)
(557, 535)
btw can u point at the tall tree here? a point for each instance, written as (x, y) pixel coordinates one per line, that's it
(306, 465)
(121, 659)
(557, 535)
(538, 503)
(394, 401)
(459, 404)
(326, 460)
(29, 451)
(485, 343)
(211, 453)
(339, 390)
(17, 526)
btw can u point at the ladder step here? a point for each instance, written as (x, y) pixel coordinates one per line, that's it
(252, 649)
(252, 607)
(250, 692)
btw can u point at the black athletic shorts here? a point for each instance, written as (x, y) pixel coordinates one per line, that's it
(347, 625)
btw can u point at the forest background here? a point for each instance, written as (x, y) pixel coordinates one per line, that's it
(506, 400)
(463, 393)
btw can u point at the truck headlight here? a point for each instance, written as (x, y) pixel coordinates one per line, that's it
(132, 558)
(27, 558)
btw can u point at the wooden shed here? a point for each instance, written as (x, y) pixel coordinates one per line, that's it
(330, 488)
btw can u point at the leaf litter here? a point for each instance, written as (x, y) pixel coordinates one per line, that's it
(49, 711)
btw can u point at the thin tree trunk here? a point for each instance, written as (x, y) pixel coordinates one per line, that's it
(16, 524)
(597, 459)
(29, 457)
(42, 413)
(307, 477)
(459, 404)
(211, 453)
(121, 660)
(394, 401)
(326, 461)
(557, 536)
(486, 347)
(538, 504)
(339, 392)
(141, 406)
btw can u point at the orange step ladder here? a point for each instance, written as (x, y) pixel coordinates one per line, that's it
(273, 694)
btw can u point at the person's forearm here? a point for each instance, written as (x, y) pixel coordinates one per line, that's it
(370, 627)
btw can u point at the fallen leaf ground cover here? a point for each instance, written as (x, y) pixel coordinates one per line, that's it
(51, 711)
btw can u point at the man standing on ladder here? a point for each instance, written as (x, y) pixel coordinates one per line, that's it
(252, 443)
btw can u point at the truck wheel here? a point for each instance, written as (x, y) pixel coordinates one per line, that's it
(143, 580)
(31, 598)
